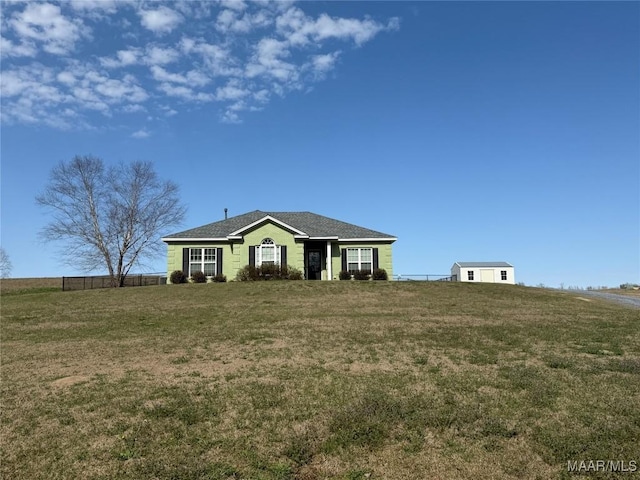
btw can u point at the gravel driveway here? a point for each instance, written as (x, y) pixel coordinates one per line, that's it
(621, 299)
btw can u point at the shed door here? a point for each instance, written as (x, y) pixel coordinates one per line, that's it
(487, 276)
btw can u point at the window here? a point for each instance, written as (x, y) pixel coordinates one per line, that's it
(359, 259)
(470, 275)
(267, 253)
(202, 260)
(503, 274)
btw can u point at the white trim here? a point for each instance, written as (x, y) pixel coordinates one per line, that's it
(212, 239)
(270, 244)
(203, 261)
(329, 259)
(303, 236)
(387, 239)
(360, 261)
(266, 219)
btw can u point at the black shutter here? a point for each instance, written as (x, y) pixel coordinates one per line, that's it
(375, 258)
(218, 261)
(283, 255)
(252, 256)
(185, 261)
(344, 259)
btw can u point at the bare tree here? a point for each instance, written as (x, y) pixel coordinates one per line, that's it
(5, 264)
(108, 216)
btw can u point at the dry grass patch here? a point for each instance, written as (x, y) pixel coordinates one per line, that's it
(315, 380)
(30, 285)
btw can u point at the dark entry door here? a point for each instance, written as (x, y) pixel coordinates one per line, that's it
(314, 265)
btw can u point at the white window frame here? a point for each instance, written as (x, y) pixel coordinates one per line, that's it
(202, 261)
(503, 275)
(360, 260)
(470, 275)
(261, 249)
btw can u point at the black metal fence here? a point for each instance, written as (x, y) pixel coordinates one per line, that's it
(424, 277)
(104, 281)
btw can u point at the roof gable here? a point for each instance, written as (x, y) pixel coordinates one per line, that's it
(265, 219)
(301, 224)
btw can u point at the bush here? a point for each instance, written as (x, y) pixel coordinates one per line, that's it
(219, 278)
(177, 276)
(380, 274)
(198, 277)
(270, 272)
(294, 274)
(345, 275)
(361, 274)
(249, 273)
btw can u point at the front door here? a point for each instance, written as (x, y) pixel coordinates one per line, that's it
(314, 265)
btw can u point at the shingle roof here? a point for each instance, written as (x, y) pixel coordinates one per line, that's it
(483, 264)
(311, 224)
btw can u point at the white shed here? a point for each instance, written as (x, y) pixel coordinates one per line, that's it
(485, 272)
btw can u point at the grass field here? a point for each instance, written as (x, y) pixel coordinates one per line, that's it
(313, 380)
(30, 285)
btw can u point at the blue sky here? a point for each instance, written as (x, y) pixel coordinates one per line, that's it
(472, 131)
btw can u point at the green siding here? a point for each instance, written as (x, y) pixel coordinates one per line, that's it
(385, 257)
(295, 249)
(236, 255)
(174, 256)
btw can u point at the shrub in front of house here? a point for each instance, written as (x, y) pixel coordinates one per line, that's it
(270, 272)
(294, 274)
(361, 274)
(380, 274)
(178, 276)
(219, 278)
(198, 277)
(344, 275)
(249, 273)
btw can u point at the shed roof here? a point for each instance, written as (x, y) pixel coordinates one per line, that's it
(306, 223)
(483, 264)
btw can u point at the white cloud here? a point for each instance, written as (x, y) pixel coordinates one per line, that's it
(218, 60)
(233, 90)
(267, 61)
(93, 6)
(236, 55)
(185, 93)
(142, 133)
(322, 64)
(66, 77)
(237, 5)
(161, 56)
(23, 49)
(136, 108)
(301, 29)
(123, 58)
(232, 21)
(161, 20)
(44, 22)
(192, 77)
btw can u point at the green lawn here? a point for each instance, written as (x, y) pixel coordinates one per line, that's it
(312, 380)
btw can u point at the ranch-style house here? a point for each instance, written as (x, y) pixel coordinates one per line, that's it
(318, 246)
